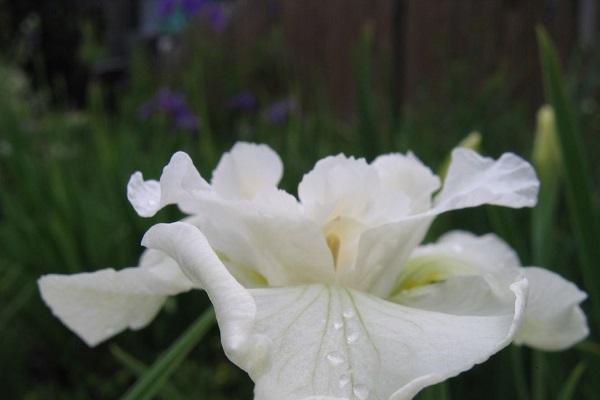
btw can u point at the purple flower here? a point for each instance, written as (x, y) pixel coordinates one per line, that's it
(166, 7)
(174, 105)
(176, 13)
(278, 111)
(216, 16)
(168, 100)
(191, 7)
(244, 100)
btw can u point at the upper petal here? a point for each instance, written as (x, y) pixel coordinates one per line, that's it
(180, 183)
(268, 239)
(473, 180)
(246, 170)
(553, 319)
(407, 174)
(335, 187)
(98, 305)
(346, 187)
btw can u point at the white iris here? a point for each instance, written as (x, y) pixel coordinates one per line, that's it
(328, 296)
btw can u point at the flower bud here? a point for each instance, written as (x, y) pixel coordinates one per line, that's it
(546, 148)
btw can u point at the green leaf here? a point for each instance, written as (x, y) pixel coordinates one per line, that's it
(153, 380)
(568, 390)
(579, 193)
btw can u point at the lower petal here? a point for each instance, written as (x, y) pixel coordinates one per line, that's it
(234, 307)
(98, 305)
(330, 341)
(553, 318)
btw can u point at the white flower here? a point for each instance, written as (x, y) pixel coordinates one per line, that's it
(329, 296)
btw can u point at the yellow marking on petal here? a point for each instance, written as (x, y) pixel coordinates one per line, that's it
(423, 279)
(333, 242)
(259, 278)
(427, 270)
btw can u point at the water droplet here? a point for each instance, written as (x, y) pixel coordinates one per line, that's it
(337, 325)
(343, 381)
(335, 358)
(361, 392)
(348, 313)
(352, 337)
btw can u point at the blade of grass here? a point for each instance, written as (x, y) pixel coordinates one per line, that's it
(568, 390)
(367, 120)
(138, 368)
(518, 372)
(13, 307)
(153, 380)
(539, 373)
(587, 346)
(579, 194)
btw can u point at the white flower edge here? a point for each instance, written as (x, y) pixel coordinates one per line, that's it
(288, 339)
(98, 305)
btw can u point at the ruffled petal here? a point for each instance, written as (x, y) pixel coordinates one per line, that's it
(553, 319)
(98, 305)
(473, 180)
(180, 183)
(246, 170)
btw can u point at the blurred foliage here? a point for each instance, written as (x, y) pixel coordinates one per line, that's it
(63, 209)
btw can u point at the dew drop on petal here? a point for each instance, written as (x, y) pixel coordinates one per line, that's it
(335, 358)
(352, 337)
(348, 313)
(361, 392)
(343, 381)
(337, 325)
